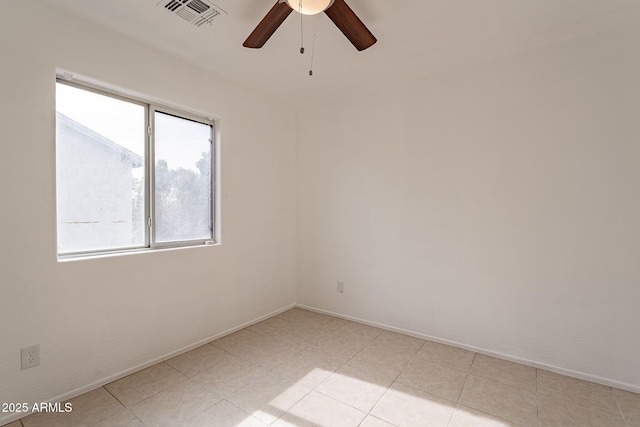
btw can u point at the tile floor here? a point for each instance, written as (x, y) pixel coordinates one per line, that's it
(306, 369)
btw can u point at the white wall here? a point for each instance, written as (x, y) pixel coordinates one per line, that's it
(96, 318)
(495, 206)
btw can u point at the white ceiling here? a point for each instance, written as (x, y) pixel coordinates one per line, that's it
(415, 38)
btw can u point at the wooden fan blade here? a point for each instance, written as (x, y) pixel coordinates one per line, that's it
(269, 24)
(350, 25)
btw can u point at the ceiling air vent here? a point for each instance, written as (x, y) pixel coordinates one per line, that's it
(196, 12)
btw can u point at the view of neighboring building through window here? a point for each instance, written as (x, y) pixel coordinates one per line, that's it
(130, 175)
(183, 194)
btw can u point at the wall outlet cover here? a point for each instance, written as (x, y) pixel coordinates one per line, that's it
(30, 356)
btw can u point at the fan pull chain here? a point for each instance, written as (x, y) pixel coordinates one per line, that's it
(301, 29)
(313, 46)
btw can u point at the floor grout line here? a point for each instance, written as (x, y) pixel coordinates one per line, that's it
(114, 396)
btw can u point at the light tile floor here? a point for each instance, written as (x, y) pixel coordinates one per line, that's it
(306, 369)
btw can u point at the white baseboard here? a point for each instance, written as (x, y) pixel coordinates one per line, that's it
(551, 368)
(111, 378)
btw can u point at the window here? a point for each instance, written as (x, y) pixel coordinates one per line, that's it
(130, 175)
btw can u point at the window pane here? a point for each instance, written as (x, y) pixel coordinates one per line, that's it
(100, 150)
(182, 179)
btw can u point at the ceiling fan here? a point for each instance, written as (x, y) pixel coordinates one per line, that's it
(337, 10)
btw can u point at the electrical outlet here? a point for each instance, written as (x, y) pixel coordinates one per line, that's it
(340, 287)
(30, 356)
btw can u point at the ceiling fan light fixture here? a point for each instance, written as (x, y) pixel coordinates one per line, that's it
(309, 7)
(338, 11)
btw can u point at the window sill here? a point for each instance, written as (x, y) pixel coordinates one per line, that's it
(127, 252)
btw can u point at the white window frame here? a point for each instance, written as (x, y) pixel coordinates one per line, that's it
(151, 108)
